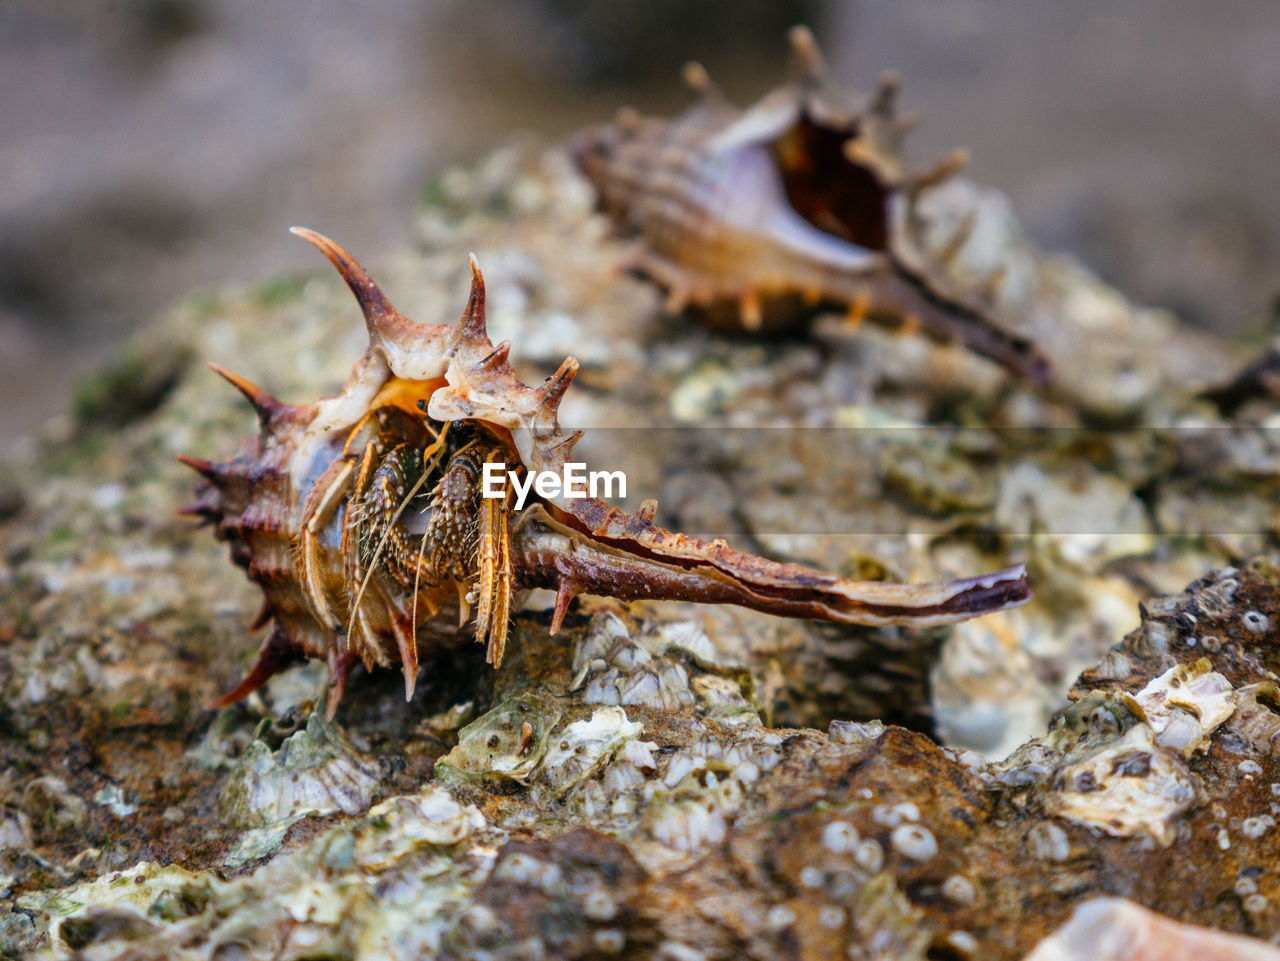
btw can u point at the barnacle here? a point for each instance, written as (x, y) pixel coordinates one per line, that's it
(759, 217)
(361, 516)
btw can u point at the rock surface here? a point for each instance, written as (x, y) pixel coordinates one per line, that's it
(674, 794)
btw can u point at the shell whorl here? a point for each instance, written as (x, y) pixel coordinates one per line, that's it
(758, 217)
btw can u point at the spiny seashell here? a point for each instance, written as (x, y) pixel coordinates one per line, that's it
(361, 517)
(758, 217)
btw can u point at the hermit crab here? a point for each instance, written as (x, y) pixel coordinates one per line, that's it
(365, 517)
(758, 218)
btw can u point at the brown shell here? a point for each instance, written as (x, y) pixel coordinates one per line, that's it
(759, 217)
(287, 504)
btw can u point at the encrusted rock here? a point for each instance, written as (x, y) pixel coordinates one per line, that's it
(52, 808)
(508, 741)
(316, 770)
(708, 815)
(583, 747)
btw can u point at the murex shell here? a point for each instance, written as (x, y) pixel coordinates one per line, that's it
(759, 217)
(360, 515)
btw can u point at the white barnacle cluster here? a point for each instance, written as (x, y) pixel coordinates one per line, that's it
(520, 739)
(844, 860)
(651, 668)
(693, 818)
(313, 901)
(315, 770)
(697, 790)
(846, 851)
(1136, 780)
(1132, 785)
(420, 847)
(1185, 704)
(843, 884)
(407, 823)
(601, 767)
(616, 792)
(584, 747)
(508, 741)
(618, 671)
(907, 836)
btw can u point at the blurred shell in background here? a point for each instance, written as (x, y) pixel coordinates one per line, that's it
(180, 134)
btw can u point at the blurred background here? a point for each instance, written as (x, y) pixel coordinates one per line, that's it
(149, 148)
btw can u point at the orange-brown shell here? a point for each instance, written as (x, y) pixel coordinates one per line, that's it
(279, 503)
(758, 217)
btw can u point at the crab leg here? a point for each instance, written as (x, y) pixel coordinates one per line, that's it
(494, 555)
(353, 570)
(321, 504)
(551, 554)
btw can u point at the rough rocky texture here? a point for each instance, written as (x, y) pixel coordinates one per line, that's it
(674, 795)
(679, 826)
